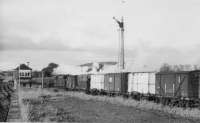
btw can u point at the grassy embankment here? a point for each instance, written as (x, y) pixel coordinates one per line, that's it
(4, 102)
(142, 105)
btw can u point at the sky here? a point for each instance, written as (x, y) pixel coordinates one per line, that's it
(72, 32)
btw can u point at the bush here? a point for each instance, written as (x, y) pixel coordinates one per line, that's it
(94, 91)
(55, 90)
(103, 92)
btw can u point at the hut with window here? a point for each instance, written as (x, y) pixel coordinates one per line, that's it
(23, 74)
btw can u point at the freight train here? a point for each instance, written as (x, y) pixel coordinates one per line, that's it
(180, 89)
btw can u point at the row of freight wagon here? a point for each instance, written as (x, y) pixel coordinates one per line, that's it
(168, 84)
(171, 84)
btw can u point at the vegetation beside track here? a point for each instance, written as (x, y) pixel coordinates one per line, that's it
(5, 94)
(59, 105)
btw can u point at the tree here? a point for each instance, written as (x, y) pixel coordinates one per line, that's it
(36, 74)
(48, 71)
(165, 68)
(196, 67)
(176, 68)
(188, 67)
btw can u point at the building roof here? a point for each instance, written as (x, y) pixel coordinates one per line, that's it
(104, 63)
(23, 67)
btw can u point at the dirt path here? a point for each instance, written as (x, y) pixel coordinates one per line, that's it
(14, 114)
(71, 109)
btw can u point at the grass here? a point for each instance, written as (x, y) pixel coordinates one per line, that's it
(26, 94)
(24, 107)
(142, 105)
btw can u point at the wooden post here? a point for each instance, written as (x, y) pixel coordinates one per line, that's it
(149, 82)
(19, 76)
(173, 89)
(42, 80)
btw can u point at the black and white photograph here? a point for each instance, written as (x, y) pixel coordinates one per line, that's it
(100, 61)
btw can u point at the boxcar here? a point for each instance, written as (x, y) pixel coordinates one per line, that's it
(97, 81)
(142, 82)
(174, 84)
(82, 82)
(71, 82)
(60, 81)
(194, 84)
(48, 81)
(116, 82)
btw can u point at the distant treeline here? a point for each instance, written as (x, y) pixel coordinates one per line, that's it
(175, 68)
(47, 71)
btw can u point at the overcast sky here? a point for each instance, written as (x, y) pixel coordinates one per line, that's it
(71, 32)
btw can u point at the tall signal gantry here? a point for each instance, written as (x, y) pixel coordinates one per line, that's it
(121, 60)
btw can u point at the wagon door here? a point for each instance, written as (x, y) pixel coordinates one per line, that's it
(143, 83)
(167, 83)
(101, 82)
(151, 83)
(124, 83)
(130, 82)
(109, 82)
(106, 82)
(158, 84)
(135, 82)
(93, 81)
(117, 82)
(194, 85)
(181, 85)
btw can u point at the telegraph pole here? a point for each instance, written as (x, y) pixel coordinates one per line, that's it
(42, 79)
(19, 76)
(122, 45)
(121, 53)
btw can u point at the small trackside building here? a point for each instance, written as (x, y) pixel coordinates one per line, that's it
(23, 74)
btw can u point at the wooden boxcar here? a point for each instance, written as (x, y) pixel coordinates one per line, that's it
(60, 81)
(116, 82)
(83, 82)
(174, 84)
(142, 82)
(194, 85)
(48, 81)
(97, 81)
(71, 82)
